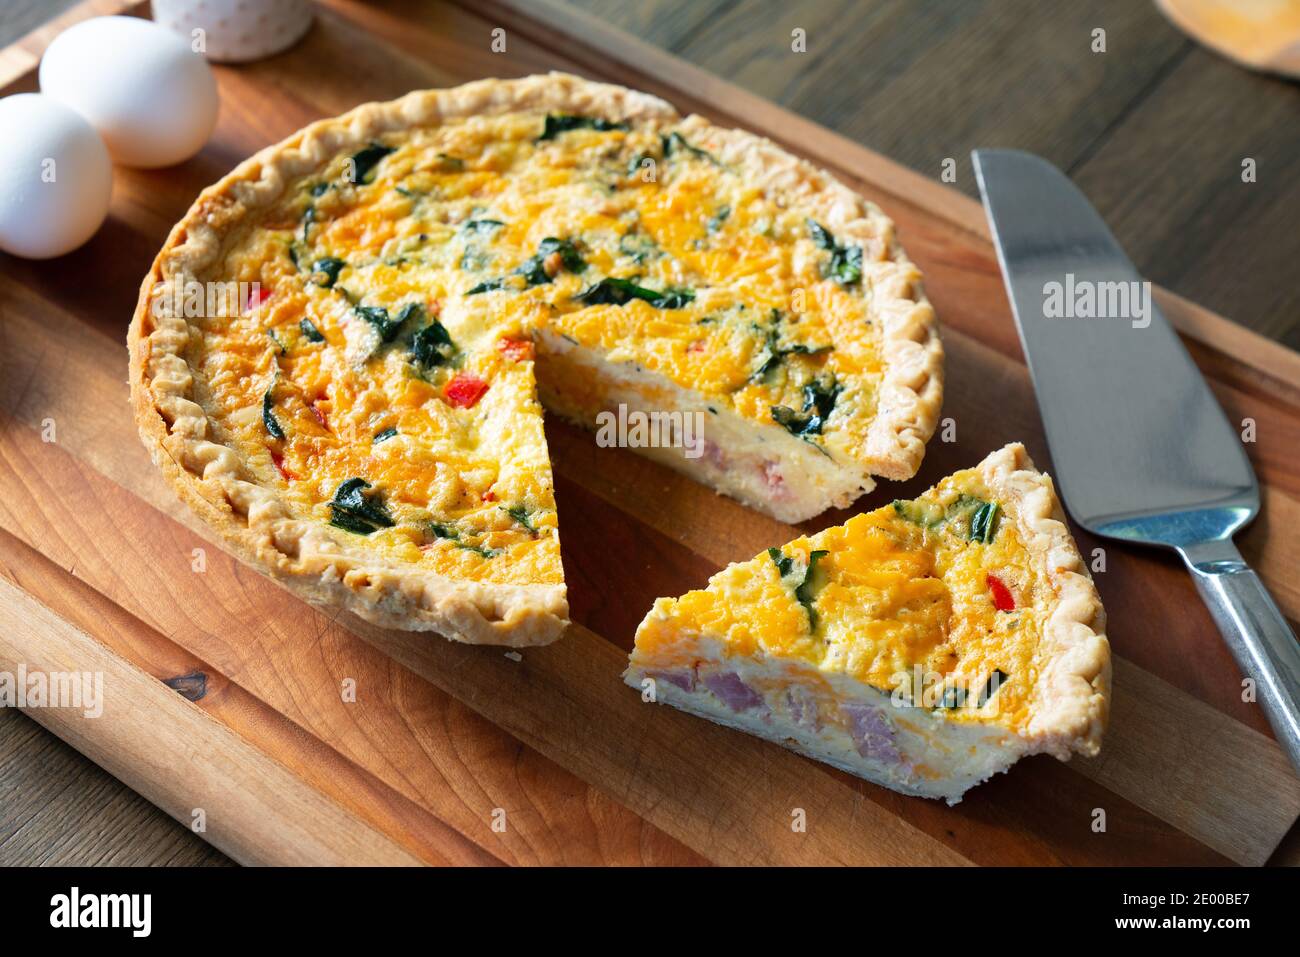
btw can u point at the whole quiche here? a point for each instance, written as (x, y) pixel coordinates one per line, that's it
(338, 355)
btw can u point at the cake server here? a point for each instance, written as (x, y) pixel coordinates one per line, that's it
(1141, 450)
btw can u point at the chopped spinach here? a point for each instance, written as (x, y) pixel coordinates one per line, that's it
(268, 417)
(820, 235)
(637, 163)
(432, 346)
(533, 269)
(820, 394)
(412, 310)
(801, 577)
(675, 142)
(796, 423)
(818, 401)
(388, 326)
(569, 256)
(365, 161)
(557, 123)
(320, 189)
(804, 592)
(637, 247)
(354, 511)
(619, 292)
(329, 267)
(774, 352)
(488, 285)
(310, 331)
(520, 514)
(956, 696)
(452, 534)
(378, 317)
(996, 680)
(845, 264)
(925, 514)
(383, 436)
(481, 226)
(717, 219)
(279, 343)
(969, 517)
(783, 562)
(984, 523)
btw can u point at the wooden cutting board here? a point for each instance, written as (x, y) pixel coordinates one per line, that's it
(305, 737)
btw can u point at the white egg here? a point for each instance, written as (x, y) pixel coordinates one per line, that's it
(57, 177)
(152, 98)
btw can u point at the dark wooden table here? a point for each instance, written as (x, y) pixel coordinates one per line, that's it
(1155, 130)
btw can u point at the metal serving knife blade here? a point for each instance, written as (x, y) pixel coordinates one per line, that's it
(1141, 450)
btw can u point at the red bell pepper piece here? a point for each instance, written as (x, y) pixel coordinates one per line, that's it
(1003, 600)
(258, 296)
(321, 417)
(278, 459)
(464, 390)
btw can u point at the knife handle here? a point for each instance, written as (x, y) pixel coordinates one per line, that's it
(1255, 631)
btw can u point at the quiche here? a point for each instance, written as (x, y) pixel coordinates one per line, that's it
(338, 356)
(924, 646)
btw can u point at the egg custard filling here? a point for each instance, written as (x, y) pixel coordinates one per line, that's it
(425, 270)
(923, 646)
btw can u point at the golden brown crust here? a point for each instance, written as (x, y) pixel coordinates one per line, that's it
(1072, 690)
(256, 523)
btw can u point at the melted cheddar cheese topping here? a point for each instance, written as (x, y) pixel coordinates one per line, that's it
(383, 377)
(934, 598)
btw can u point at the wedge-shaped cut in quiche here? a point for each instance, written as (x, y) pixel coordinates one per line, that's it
(363, 422)
(923, 646)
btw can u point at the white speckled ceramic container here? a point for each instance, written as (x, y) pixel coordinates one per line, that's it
(236, 31)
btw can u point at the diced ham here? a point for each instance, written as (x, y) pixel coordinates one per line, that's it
(872, 733)
(680, 677)
(731, 691)
(774, 480)
(714, 455)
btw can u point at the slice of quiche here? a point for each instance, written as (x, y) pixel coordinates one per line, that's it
(923, 646)
(338, 354)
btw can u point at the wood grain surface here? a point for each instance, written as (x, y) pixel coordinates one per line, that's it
(395, 747)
